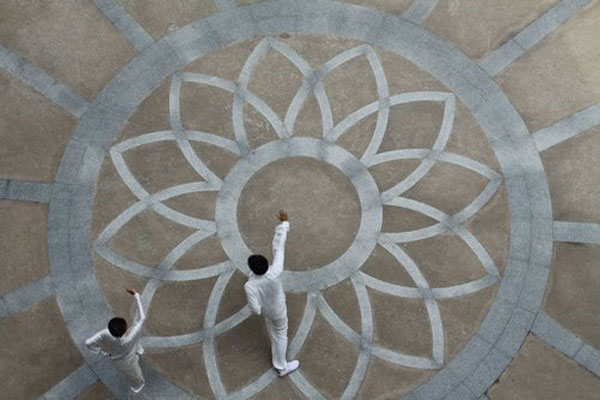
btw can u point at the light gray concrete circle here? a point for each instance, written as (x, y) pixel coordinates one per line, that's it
(370, 200)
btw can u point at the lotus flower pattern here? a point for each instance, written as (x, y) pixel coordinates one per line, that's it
(326, 149)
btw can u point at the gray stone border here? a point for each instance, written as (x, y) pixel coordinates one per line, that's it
(576, 232)
(25, 296)
(43, 83)
(124, 23)
(515, 47)
(72, 386)
(37, 192)
(567, 343)
(364, 184)
(419, 10)
(490, 350)
(567, 128)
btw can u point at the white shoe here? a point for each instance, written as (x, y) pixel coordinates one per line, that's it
(291, 367)
(139, 388)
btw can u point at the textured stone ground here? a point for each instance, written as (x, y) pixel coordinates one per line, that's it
(438, 160)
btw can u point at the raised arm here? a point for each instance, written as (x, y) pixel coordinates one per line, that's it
(279, 246)
(136, 331)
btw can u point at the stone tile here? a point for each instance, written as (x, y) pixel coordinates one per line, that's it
(491, 227)
(258, 129)
(413, 125)
(33, 131)
(401, 324)
(469, 140)
(243, 353)
(344, 97)
(357, 138)
(385, 380)
(280, 389)
(445, 260)
(395, 7)
(399, 219)
(23, 248)
(388, 174)
(198, 205)
(309, 123)
(572, 296)
(342, 299)
(151, 115)
(329, 378)
(96, 392)
(158, 166)
(459, 185)
(148, 238)
(462, 316)
(541, 372)
(317, 49)
(178, 307)
(160, 18)
(566, 79)
(384, 266)
(275, 80)
(480, 27)
(573, 185)
(207, 109)
(226, 62)
(112, 197)
(204, 254)
(71, 40)
(32, 364)
(218, 160)
(112, 282)
(183, 366)
(404, 76)
(321, 194)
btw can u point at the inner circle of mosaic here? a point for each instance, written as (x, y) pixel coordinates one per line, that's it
(408, 286)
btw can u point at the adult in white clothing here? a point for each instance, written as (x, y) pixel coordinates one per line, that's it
(122, 345)
(265, 296)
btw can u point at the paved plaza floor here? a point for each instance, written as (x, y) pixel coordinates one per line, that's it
(439, 160)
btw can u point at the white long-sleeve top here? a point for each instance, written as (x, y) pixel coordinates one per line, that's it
(264, 292)
(119, 349)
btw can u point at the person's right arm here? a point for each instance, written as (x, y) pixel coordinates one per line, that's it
(136, 330)
(279, 244)
(95, 344)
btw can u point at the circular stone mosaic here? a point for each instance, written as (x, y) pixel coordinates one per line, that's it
(188, 180)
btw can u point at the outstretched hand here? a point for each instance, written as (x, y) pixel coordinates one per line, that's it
(131, 291)
(283, 215)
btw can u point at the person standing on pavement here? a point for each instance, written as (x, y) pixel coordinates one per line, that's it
(265, 296)
(122, 345)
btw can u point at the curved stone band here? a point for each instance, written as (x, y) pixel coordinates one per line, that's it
(368, 193)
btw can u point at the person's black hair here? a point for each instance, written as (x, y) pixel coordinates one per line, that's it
(117, 327)
(258, 264)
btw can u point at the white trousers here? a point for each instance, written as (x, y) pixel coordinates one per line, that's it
(278, 334)
(131, 368)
